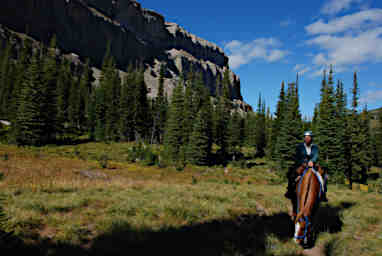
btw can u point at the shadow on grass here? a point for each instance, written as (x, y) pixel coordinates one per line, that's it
(241, 235)
(328, 219)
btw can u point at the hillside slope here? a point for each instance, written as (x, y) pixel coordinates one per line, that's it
(85, 27)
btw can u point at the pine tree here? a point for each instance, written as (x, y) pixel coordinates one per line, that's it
(113, 96)
(223, 113)
(268, 132)
(21, 66)
(250, 129)
(85, 89)
(378, 140)
(315, 119)
(234, 132)
(291, 130)
(279, 115)
(128, 103)
(141, 117)
(103, 96)
(260, 129)
(29, 126)
(338, 158)
(354, 143)
(174, 128)
(326, 130)
(366, 149)
(101, 104)
(6, 81)
(160, 108)
(189, 111)
(74, 106)
(92, 122)
(200, 149)
(199, 92)
(49, 93)
(64, 84)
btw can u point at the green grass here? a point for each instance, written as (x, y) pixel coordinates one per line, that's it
(203, 210)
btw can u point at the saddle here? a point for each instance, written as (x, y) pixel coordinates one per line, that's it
(319, 177)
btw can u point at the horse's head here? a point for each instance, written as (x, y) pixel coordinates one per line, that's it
(302, 229)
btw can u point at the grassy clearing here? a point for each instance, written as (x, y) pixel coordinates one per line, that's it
(55, 209)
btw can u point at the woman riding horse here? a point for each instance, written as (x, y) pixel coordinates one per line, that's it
(306, 156)
(309, 191)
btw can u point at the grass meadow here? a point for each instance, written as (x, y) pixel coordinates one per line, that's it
(60, 201)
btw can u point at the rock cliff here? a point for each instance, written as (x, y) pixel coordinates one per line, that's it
(85, 27)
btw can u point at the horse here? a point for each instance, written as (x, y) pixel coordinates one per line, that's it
(309, 190)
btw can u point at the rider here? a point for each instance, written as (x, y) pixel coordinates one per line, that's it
(306, 156)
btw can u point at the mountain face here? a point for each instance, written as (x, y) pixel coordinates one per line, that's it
(136, 35)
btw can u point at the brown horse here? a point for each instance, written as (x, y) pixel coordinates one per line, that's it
(308, 191)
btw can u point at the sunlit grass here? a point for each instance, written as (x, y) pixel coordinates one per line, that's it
(48, 197)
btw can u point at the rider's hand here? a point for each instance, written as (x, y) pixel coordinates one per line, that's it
(310, 164)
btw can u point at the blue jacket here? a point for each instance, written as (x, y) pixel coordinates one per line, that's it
(303, 157)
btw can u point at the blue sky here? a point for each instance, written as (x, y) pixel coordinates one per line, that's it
(270, 41)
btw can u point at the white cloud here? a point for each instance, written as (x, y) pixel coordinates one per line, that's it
(305, 70)
(318, 71)
(301, 69)
(350, 49)
(371, 97)
(335, 6)
(347, 41)
(276, 55)
(241, 53)
(354, 21)
(319, 59)
(233, 44)
(298, 67)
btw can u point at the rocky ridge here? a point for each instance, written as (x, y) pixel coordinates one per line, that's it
(136, 34)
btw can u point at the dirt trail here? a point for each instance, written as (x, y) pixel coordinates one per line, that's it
(316, 251)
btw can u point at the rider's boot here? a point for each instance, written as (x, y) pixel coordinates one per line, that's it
(324, 198)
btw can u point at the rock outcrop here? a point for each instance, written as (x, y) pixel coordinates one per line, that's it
(85, 27)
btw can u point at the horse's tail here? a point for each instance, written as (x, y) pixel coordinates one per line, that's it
(307, 194)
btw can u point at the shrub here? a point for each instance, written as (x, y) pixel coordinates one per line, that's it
(76, 152)
(5, 157)
(136, 153)
(103, 160)
(179, 166)
(149, 157)
(144, 154)
(242, 163)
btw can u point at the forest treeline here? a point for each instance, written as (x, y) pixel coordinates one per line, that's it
(49, 100)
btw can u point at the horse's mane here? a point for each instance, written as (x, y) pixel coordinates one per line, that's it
(308, 191)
